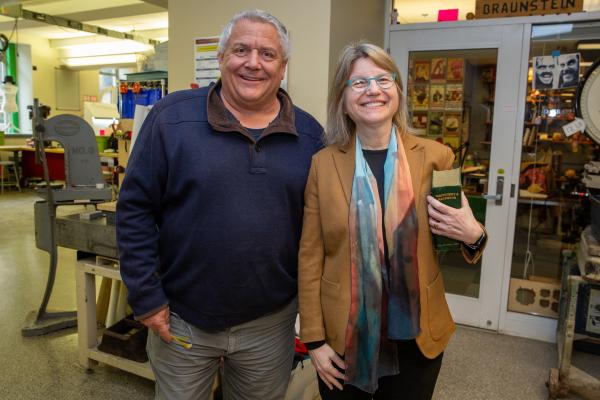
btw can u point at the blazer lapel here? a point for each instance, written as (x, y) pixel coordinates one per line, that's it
(415, 157)
(343, 159)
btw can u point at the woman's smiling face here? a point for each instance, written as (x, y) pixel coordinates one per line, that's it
(374, 107)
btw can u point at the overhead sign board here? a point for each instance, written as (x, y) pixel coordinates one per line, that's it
(518, 8)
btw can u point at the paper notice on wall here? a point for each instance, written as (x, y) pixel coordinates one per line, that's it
(140, 114)
(206, 65)
(593, 319)
(578, 125)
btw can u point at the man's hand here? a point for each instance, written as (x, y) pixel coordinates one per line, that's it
(323, 359)
(159, 323)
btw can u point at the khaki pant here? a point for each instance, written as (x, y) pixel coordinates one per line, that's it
(257, 359)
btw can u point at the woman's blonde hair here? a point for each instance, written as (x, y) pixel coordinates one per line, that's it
(339, 125)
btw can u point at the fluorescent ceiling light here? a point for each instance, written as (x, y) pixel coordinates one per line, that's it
(113, 59)
(588, 46)
(539, 31)
(86, 47)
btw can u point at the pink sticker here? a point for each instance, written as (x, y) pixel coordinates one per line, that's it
(448, 15)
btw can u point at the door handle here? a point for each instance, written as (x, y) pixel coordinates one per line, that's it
(499, 188)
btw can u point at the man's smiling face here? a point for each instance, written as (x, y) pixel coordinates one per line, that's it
(252, 65)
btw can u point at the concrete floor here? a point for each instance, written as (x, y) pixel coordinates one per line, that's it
(477, 364)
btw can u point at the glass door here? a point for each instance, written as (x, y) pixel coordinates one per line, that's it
(462, 82)
(552, 213)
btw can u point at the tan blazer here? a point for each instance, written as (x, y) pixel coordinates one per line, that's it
(324, 260)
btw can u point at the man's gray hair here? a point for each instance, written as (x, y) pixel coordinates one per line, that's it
(256, 16)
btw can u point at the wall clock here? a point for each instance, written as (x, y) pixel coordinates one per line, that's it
(588, 101)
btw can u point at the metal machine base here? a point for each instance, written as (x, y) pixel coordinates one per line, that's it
(48, 323)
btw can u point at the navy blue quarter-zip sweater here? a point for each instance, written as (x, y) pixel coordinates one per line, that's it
(208, 218)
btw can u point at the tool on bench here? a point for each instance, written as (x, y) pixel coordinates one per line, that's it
(83, 185)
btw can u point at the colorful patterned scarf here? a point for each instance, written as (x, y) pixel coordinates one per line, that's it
(378, 316)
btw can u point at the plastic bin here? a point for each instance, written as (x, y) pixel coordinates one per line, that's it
(101, 141)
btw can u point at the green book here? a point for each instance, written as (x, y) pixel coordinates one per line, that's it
(446, 187)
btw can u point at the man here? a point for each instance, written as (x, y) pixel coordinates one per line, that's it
(209, 219)
(568, 66)
(543, 72)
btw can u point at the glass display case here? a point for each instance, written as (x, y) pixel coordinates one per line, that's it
(451, 100)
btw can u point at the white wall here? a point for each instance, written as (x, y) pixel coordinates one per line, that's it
(308, 22)
(353, 20)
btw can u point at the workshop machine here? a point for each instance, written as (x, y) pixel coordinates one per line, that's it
(84, 184)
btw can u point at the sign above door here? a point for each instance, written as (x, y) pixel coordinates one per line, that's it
(519, 8)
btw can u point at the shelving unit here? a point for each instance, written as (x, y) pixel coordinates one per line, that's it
(137, 87)
(87, 328)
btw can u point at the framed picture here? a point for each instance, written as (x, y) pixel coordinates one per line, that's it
(456, 70)
(452, 123)
(420, 97)
(454, 97)
(436, 123)
(437, 96)
(421, 71)
(419, 122)
(438, 69)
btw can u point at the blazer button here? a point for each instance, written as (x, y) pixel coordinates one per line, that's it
(407, 259)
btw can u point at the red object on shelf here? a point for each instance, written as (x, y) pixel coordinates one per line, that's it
(101, 132)
(136, 87)
(56, 166)
(448, 15)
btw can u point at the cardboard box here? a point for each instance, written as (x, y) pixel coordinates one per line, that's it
(536, 295)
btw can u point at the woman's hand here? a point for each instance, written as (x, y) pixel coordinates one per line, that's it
(455, 223)
(323, 358)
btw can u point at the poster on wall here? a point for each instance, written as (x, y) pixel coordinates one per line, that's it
(420, 97)
(438, 69)
(456, 70)
(436, 123)
(206, 65)
(419, 122)
(555, 72)
(422, 71)
(452, 124)
(454, 97)
(437, 95)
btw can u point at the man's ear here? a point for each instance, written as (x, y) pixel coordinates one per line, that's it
(283, 70)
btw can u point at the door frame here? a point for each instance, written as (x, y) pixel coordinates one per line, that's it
(512, 323)
(483, 311)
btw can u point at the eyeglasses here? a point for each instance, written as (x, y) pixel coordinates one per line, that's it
(360, 84)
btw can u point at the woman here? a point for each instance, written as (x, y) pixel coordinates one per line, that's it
(372, 306)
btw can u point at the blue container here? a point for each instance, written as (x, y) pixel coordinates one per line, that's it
(127, 104)
(154, 95)
(142, 97)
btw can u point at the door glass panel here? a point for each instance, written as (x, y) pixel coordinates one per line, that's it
(451, 100)
(552, 205)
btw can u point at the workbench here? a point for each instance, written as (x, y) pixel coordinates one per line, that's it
(24, 156)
